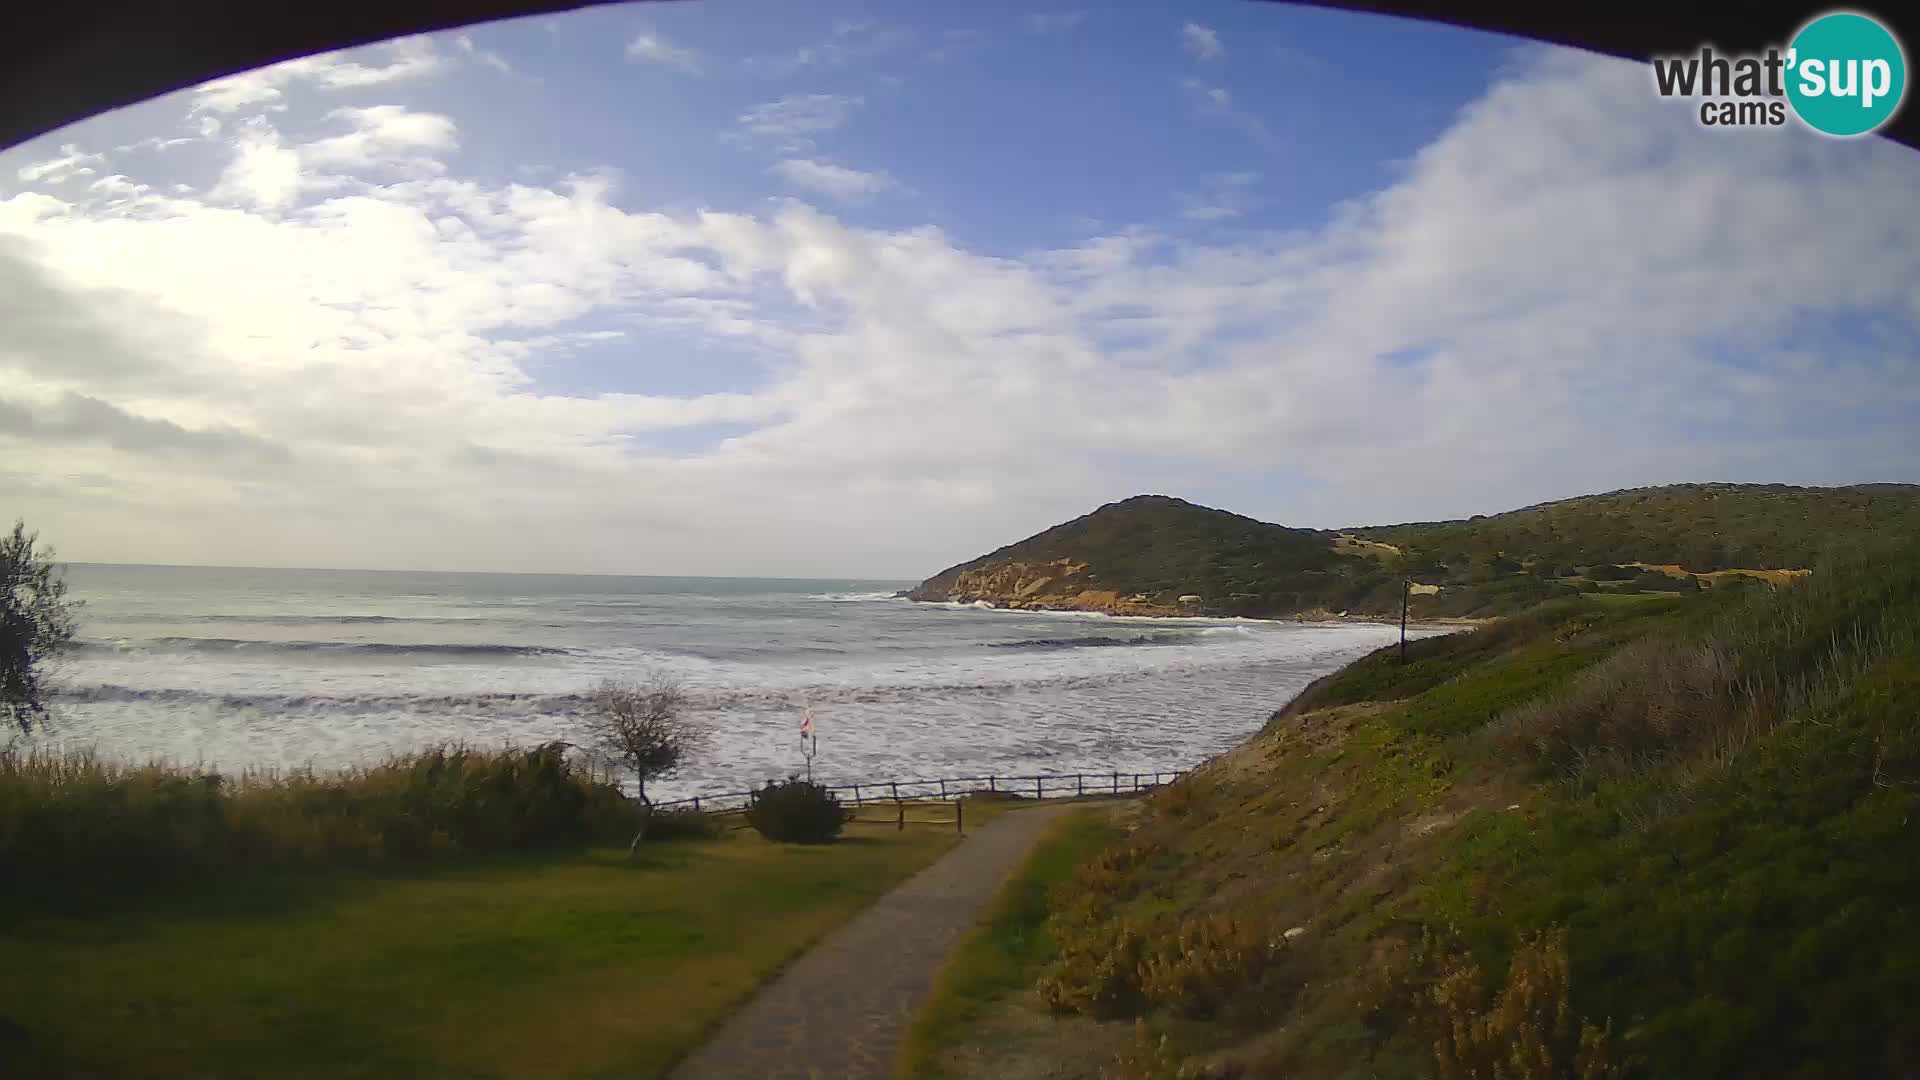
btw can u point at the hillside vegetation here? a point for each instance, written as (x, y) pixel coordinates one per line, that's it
(1153, 554)
(1699, 526)
(1151, 550)
(1671, 838)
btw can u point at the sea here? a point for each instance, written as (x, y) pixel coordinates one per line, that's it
(231, 668)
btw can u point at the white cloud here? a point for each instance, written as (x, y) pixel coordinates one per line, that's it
(380, 141)
(652, 47)
(237, 92)
(72, 164)
(400, 59)
(1201, 41)
(118, 185)
(792, 121)
(354, 374)
(836, 180)
(157, 143)
(406, 58)
(485, 56)
(387, 135)
(1048, 22)
(262, 171)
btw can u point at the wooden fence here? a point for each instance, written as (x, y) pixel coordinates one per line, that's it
(900, 793)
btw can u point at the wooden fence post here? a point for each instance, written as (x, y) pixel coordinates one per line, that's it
(902, 808)
(960, 815)
(1079, 783)
(1036, 789)
(696, 804)
(990, 784)
(856, 794)
(896, 790)
(1116, 783)
(943, 789)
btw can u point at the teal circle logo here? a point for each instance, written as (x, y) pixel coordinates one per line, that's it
(1846, 74)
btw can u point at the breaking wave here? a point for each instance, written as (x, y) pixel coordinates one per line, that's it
(1050, 644)
(342, 648)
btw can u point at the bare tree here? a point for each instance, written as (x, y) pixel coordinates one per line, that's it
(642, 728)
(36, 625)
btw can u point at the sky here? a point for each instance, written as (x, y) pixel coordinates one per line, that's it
(730, 288)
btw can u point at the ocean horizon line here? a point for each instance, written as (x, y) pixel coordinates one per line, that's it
(845, 579)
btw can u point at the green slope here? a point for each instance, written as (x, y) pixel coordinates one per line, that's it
(1675, 838)
(1699, 526)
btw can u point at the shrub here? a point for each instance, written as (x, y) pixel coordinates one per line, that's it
(1655, 581)
(1207, 961)
(1746, 665)
(796, 812)
(1096, 965)
(36, 625)
(71, 820)
(1648, 700)
(1523, 1031)
(1109, 967)
(1107, 878)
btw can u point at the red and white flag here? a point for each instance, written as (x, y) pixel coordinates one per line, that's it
(806, 723)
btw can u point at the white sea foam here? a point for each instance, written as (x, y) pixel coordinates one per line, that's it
(899, 688)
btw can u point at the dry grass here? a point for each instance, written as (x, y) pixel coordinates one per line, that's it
(1524, 1030)
(1371, 548)
(1209, 960)
(1714, 577)
(1650, 699)
(72, 821)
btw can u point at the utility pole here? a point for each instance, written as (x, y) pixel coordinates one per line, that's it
(1406, 590)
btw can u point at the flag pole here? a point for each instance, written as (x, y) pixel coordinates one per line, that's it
(1406, 592)
(809, 740)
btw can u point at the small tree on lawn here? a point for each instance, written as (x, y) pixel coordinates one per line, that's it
(36, 625)
(642, 728)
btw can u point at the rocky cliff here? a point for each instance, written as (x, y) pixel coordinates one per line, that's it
(1060, 585)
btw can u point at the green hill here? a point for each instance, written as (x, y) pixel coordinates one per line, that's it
(1146, 552)
(1153, 554)
(1674, 838)
(1702, 527)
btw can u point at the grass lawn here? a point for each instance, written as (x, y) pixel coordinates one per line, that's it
(1003, 953)
(551, 966)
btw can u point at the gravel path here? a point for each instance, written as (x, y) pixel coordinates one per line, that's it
(838, 1013)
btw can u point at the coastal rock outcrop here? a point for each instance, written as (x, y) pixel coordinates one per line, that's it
(1059, 585)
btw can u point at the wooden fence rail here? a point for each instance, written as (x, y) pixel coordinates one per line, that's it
(947, 789)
